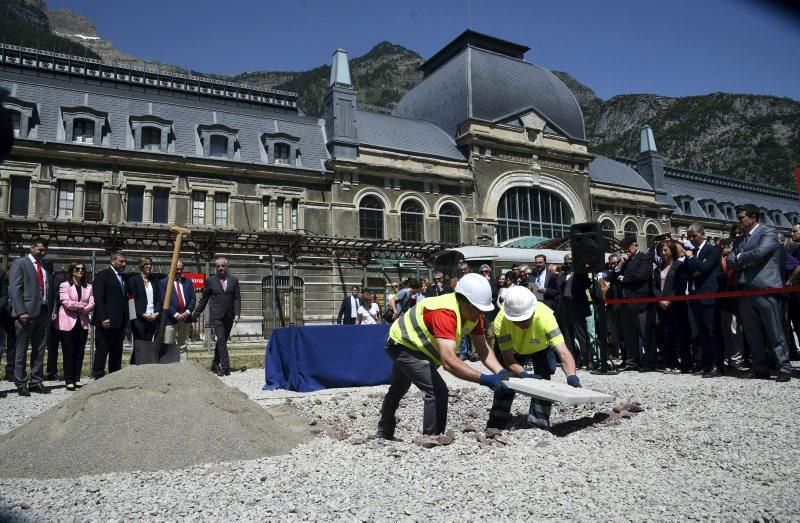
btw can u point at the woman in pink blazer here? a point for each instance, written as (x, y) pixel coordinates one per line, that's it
(73, 322)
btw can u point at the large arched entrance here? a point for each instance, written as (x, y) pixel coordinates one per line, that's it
(530, 211)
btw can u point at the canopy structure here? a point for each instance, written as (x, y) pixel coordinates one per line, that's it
(290, 244)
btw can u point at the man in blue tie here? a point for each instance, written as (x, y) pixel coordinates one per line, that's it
(110, 291)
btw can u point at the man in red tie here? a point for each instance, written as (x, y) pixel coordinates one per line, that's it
(179, 316)
(222, 292)
(30, 290)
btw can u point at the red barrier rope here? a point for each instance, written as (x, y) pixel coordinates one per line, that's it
(706, 295)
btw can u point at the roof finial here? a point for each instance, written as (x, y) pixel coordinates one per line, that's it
(340, 69)
(647, 141)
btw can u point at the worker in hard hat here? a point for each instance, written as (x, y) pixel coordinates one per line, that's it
(526, 332)
(427, 336)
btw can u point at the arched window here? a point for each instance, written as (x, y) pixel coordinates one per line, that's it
(151, 139)
(219, 146)
(609, 229)
(651, 232)
(631, 231)
(370, 218)
(83, 131)
(449, 224)
(281, 154)
(412, 220)
(527, 211)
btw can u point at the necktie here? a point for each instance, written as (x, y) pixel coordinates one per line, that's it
(40, 277)
(179, 294)
(121, 283)
(224, 285)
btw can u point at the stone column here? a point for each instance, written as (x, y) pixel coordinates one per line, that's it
(210, 221)
(77, 204)
(5, 201)
(147, 205)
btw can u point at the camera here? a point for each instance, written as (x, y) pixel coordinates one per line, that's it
(662, 237)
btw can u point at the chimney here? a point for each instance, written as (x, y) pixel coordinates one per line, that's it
(340, 110)
(650, 162)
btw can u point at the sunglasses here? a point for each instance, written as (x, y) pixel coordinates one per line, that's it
(221, 266)
(485, 272)
(78, 269)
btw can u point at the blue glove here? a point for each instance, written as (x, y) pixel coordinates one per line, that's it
(493, 381)
(504, 373)
(526, 374)
(574, 381)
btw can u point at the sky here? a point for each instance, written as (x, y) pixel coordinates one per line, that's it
(666, 47)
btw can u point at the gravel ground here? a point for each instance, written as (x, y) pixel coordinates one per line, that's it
(702, 448)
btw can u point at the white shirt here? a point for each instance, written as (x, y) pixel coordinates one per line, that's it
(44, 276)
(540, 278)
(148, 290)
(353, 306)
(368, 316)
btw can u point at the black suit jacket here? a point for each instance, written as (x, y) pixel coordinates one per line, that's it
(554, 291)
(635, 279)
(136, 287)
(675, 282)
(110, 300)
(345, 312)
(225, 304)
(704, 270)
(434, 291)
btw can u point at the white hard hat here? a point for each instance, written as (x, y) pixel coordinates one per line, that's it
(477, 290)
(519, 303)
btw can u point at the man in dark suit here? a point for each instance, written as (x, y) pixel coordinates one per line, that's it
(539, 279)
(704, 270)
(574, 311)
(54, 339)
(757, 261)
(439, 286)
(110, 290)
(634, 276)
(181, 305)
(347, 310)
(30, 288)
(222, 291)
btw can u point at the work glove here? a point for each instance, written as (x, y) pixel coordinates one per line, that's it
(526, 374)
(504, 374)
(493, 381)
(574, 381)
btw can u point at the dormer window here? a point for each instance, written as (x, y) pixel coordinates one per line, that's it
(151, 139)
(712, 210)
(280, 149)
(298, 161)
(151, 133)
(281, 154)
(23, 116)
(219, 147)
(219, 141)
(83, 131)
(687, 207)
(729, 212)
(15, 122)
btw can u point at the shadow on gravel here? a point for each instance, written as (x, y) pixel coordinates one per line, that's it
(568, 427)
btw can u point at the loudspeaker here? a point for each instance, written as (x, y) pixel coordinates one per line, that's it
(588, 247)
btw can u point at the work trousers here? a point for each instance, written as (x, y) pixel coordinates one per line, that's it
(544, 365)
(73, 345)
(761, 322)
(413, 367)
(222, 331)
(107, 345)
(706, 314)
(36, 333)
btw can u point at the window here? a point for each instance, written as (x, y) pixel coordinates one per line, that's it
(281, 154)
(608, 228)
(16, 118)
(412, 219)
(92, 202)
(198, 208)
(712, 211)
(729, 212)
(279, 219)
(20, 193)
(295, 205)
(265, 212)
(219, 146)
(762, 217)
(221, 209)
(370, 218)
(651, 232)
(151, 139)
(135, 203)
(83, 131)
(449, 224)
(66, 198)
(631, 230)
(527, 211)
(298, 161)
(160, 205)
(687, 207)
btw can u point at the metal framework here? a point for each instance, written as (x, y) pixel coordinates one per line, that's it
(291, 244)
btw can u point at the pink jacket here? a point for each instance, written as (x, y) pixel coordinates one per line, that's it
(71, 307)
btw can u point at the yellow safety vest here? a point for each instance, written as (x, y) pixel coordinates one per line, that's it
(410, 330)
(543, 332)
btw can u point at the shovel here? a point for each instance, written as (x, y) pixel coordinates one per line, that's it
(157, 351)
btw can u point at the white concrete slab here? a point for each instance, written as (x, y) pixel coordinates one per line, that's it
(556, 391)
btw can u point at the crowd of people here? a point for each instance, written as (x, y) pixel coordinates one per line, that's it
(43, 310)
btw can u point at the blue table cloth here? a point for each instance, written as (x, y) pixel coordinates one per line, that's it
(316, 357)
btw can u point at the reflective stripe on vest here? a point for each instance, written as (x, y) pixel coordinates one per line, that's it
(410, 330)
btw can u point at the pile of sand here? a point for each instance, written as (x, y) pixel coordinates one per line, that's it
(150, 417)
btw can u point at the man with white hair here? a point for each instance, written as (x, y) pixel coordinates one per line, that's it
(222, 290)
(527, 333)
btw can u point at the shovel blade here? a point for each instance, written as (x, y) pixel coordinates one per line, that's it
(149, 352)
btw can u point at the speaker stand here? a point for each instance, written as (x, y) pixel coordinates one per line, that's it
(601, 330)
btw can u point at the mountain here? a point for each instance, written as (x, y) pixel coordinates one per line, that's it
(746, 137)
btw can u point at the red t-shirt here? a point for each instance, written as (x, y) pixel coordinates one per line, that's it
(442, 324)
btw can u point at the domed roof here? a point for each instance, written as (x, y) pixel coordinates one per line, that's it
(470, 79)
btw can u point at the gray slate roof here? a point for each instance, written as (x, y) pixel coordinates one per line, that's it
(606, 170)
(186, 115)
(488, 86)
(401, 134)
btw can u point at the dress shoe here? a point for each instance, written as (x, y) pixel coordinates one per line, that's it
(50, 377)
(715, 372)
(24, 391)
(39, 389)
(215, 368)
(757, 375)
(630, 367)
(9, 376)
(646, 369)
(783, 377)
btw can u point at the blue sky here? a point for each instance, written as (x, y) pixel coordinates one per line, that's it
(673, 48)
